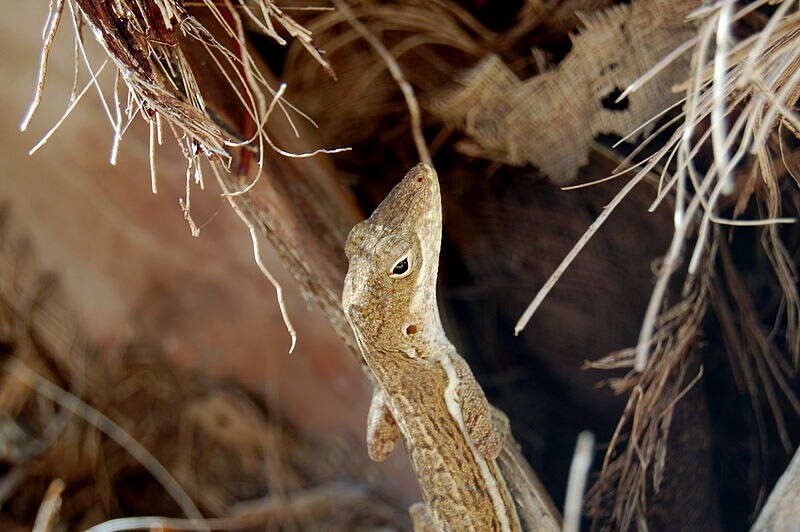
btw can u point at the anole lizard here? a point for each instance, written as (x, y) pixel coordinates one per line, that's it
(424, 390)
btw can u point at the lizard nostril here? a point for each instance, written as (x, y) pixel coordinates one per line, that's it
(411, 329)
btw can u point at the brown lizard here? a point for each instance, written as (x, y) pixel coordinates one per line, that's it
(424, 389)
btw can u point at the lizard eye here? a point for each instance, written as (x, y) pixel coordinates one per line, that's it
(400, 268)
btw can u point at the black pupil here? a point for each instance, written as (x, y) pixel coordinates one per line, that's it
(400, 268)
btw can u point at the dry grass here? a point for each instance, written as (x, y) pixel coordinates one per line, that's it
(80, 440)
(736, 105)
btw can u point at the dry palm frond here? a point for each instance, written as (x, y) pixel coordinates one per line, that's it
(146, 40)
(156, 47)
(758, 80)
(634, 463)
(737, 99)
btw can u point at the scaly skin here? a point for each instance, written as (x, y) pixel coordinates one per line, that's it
(425, 390)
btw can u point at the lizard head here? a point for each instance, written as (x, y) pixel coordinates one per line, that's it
(389, 294)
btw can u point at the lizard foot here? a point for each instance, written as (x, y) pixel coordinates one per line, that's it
(382, 429)
(500, 422)
(421, 518)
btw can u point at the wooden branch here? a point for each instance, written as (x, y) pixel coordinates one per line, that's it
(298, 204)
(305, 214)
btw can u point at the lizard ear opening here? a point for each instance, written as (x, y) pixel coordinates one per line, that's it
(412, 329)
(401, 267)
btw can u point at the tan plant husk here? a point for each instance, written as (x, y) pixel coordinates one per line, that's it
(526, 122)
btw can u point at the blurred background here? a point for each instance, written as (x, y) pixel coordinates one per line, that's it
(141, 291)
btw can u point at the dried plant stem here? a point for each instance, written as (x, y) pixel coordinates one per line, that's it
(88, 64)
(152, 158)
(257, 256)
(51, 28)
(535, 505)
(576, 484)
(46, 517)
(101, 422)
(397, 74)
(718, 88)
(576, 249)
(261, 135)
(313, 501)
(67, 111)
